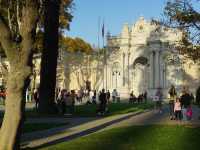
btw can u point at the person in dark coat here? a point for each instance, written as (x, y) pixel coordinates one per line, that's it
(132, 98)
(185, 103)
(94, 97)
(172, 94)
(36, 98)
(108, 96)
(198, 96)
(145, 96)
(103, 102)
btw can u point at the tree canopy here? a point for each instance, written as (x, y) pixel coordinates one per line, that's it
(75, 45)
(11, 11)
(185, 15)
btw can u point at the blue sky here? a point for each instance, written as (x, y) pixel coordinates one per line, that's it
(114, 12)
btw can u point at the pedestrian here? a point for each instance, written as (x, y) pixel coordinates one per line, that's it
(79, 96)
(159, 101)
(58, 93)
(94, 97)
(132, 98)
(3, 95)
(73, 96)
(140, 98)
(91, 94)
(114, 95)
(108, 96)
(70, 101)
(63, 99)
(36, 98)
(145, 96)
(103, 102)
(172, 93)
(177, 109)
(185, 102)
(198, 96)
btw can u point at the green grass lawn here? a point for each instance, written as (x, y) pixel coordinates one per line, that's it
(114, 109)
(137, 138)
(91, 110)
(31, 127)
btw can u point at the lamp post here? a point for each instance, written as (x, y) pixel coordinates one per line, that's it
(116, 74)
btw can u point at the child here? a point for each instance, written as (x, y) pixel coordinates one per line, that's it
(189, 113)
(177, 109)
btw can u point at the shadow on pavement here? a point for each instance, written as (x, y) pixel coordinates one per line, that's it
(152, 118)
(85, 132)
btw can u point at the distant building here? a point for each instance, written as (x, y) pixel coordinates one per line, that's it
(141, 58)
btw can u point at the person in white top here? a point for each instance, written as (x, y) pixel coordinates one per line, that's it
(91, 93)
(114, 95)
(177, 109)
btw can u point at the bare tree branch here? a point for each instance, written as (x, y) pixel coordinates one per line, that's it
(5, 37)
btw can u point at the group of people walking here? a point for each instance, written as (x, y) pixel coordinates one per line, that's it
(66, 100)
(180, 106)
(140, 99)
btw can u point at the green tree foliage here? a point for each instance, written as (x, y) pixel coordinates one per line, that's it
(75, 45)
(65, 17)
(66, 11)
(185, 15)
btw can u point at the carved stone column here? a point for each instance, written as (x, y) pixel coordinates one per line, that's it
(151, 82)
(157, 70)
(128, 70)
(161, 71)
(123, 78)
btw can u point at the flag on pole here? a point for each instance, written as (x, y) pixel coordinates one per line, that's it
(103, 29)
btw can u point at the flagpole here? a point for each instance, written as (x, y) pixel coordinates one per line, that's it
(99, 26)
(103, 54)
(105, 57)
(106, 68)
(105, 63)
(98, 40)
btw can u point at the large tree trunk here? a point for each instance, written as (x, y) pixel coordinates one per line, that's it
(49, 58)
(19, 55)
(14, 112)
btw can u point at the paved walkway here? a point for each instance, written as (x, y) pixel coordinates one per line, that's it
(83, 126)
(156, 118)
(77, 127)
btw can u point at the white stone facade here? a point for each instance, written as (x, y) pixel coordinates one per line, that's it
(142, 58)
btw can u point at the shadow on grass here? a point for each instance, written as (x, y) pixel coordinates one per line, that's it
(114, 109)
(151, 137)
(85, 132)
(90, 110)
(147, 137)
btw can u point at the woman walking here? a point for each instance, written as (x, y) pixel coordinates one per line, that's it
(172, 93)
(159, 96)
(185, 103)
(177, 109)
